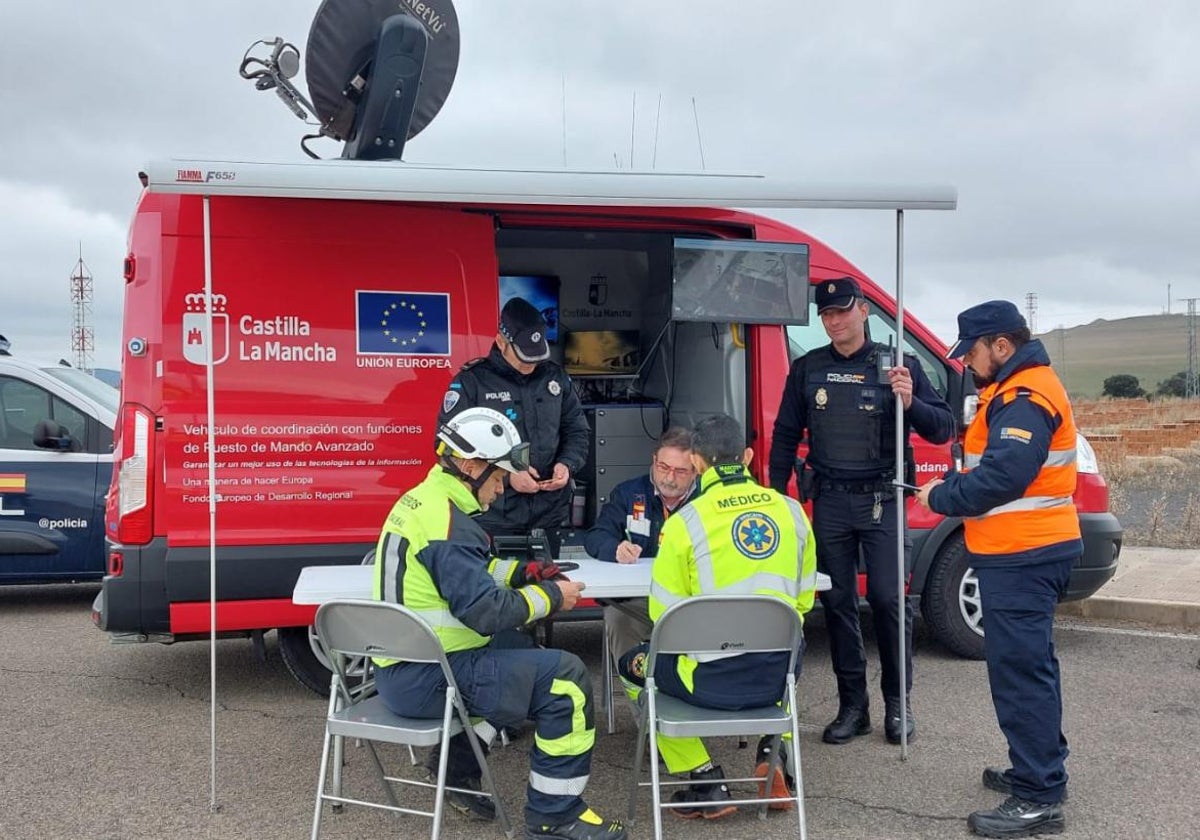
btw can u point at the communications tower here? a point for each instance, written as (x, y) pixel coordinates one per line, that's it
(83, 339)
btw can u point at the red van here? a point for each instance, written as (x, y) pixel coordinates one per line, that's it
(345, 294)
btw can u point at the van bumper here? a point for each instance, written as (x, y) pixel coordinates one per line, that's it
(1102, 536)
(134, 603)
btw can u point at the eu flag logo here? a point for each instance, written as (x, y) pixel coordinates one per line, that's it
(404, 323)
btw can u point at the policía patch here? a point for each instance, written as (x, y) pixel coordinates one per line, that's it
(1013, 433)
(450, 400)
(821, 398)
(554, 388)
(755, 534)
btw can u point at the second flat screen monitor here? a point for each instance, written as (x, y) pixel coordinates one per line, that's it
(740, 282)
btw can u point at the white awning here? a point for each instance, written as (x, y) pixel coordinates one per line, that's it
(398, 181)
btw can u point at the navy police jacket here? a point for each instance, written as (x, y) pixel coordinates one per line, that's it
(544, 408)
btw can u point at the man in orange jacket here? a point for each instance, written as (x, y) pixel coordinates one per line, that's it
(1022, 532)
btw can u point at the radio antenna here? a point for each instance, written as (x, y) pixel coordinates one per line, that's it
(699, 142)
(632, 125)
(657, 116)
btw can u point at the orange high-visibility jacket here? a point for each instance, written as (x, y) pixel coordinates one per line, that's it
(1045, 515)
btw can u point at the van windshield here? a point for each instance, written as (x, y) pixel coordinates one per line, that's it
(103, 393)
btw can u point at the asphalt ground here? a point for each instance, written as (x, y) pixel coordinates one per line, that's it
(112, 742)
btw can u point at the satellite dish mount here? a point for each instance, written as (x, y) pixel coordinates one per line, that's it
(378, 72)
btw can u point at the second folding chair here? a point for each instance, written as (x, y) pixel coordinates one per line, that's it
(715, 625)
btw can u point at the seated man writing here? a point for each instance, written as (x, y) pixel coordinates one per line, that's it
(433, 558)
(630, 526)
(735, 537)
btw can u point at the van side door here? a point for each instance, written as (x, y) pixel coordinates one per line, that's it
(52, 495)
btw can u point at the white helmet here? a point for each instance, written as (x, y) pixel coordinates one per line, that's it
(486, 434)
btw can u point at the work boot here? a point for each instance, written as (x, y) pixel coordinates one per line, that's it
(462, 771)
(850, 722)
(782, 783)
(1016, 817)
(1001, 781)
(891, 720)
(704, 796)
(587, 826)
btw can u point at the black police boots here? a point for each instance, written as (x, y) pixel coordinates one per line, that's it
(891, 721)
(1016, 817)
(850, 723)
(707, 796)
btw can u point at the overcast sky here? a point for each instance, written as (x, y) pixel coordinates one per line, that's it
(1070, 129)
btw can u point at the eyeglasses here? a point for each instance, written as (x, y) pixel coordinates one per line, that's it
(677, 472)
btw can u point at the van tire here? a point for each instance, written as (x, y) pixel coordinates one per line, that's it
(296, 649)
(951, 602)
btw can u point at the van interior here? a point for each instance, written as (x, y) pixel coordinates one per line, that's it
(626, 317)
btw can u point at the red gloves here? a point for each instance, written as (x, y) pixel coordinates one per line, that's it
(538, 571)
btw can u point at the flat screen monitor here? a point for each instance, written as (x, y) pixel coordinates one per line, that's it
(540, 290)
(596, 353)
(738, 281)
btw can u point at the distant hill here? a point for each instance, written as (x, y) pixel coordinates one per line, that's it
(1150, 347)
(108, 376)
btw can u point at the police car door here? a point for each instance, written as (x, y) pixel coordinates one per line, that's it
(52, 494)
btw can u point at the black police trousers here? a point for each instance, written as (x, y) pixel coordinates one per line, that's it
(843, 522)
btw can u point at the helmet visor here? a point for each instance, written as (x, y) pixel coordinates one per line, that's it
(517, 459)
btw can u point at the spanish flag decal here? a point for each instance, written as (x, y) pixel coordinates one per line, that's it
(12, 483)
(1013, 433)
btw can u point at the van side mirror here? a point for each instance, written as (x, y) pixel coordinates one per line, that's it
(48, 434)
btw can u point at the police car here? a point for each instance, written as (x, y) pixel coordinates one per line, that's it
(56, 434)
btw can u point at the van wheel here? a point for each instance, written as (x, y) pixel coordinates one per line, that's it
(306, 661)
(304, 658)
(951, 601)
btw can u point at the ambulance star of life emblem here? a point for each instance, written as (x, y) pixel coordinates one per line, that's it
(822, 397)
(554, 388)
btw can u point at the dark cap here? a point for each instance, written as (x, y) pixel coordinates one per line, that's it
(990, 318)
(523, 325)
(838, 293)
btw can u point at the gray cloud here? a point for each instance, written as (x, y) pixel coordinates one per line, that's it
(1070, 130)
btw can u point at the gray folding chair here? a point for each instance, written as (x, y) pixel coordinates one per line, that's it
(718, 624)
(354, 629)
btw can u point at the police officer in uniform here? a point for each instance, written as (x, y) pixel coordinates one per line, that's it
(433, 558)
(736, 536)
(518, 380)
(1022, 532)
(842, 396)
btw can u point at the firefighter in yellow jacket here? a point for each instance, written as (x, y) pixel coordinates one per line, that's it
(736, 537)
(433, 558)
(1022, 533)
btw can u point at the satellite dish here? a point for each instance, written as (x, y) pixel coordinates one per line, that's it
(372, 76)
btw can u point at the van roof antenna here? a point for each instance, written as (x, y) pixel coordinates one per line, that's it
(378, 72)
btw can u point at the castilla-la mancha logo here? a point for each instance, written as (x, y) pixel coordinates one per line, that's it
(197, 345)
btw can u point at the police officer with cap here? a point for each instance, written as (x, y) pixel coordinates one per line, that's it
(1015, 494)
(518, 380)
(843, 395)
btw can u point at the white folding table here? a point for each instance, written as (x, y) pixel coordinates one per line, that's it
(604, 582)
